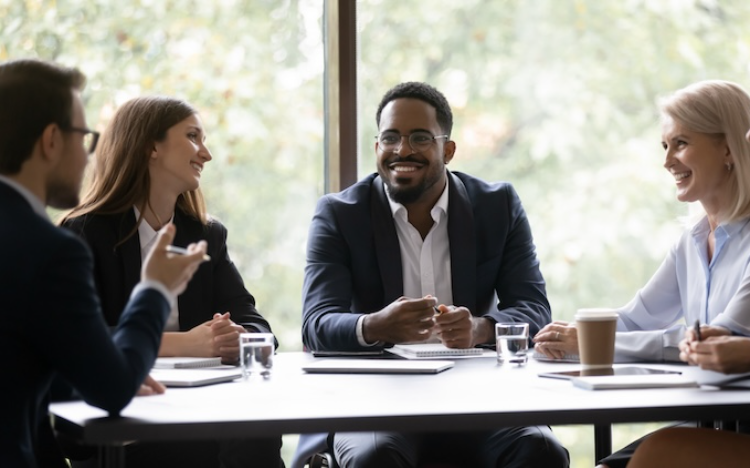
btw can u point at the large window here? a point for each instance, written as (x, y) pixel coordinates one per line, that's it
(557, 97)
(254, 70)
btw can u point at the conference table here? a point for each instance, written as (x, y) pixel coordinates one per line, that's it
(475, 394)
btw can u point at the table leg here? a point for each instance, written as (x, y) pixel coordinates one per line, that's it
(602, 441)
(112, 456)
(732, 426)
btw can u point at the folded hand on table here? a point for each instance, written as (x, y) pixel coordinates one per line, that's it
(457, 328)
(717, 352)
(404, 320)
(226, 338)
(557, 339)
(216, 337)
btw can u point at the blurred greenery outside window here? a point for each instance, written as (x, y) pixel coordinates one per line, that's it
(557, 97)
(253, 69)
(560, 99)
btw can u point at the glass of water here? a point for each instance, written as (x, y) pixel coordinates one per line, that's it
(256, 355)
(512, 343)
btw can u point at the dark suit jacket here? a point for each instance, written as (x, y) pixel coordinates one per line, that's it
(216, 287)
(354, 265)
(354, 260)
(53, 325)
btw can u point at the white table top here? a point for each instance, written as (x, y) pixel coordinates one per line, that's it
(475, 394)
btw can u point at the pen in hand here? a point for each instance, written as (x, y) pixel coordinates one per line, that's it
(697, 330)
(182, 251)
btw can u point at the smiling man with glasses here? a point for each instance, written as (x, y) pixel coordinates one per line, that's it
(384, 253)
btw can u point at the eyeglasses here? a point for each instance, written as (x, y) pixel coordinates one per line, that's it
(90, 137)
(418, 141)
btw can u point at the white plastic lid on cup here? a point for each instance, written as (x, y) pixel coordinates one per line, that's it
(596, 314)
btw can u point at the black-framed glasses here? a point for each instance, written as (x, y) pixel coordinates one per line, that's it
(418, 141)
(90, 137)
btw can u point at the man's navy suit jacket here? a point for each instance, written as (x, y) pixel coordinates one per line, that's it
(216, 287)
(52, 325)
(354, 260)
(354, 264)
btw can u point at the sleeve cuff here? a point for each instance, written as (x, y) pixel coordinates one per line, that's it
(158, 286)
(361, 333)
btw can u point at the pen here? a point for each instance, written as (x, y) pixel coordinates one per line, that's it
(697, 329)
(181, 251)
(437, 311)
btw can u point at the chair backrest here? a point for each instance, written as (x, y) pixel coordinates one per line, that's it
(325, 460)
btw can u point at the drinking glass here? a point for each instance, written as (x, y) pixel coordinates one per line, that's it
(512, 343)
(256, 355)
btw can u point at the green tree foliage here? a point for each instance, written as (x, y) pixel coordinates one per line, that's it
(557, 97)
(252, 69)
(560, 98)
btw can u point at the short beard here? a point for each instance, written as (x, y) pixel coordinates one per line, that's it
(408, 195)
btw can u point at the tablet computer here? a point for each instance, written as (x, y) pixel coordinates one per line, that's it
(612, 371)
(615, 382)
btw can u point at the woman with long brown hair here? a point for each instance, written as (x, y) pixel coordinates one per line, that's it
(147, 173)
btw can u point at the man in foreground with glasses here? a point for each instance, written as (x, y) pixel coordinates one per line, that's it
(52, 324)
(384, 253)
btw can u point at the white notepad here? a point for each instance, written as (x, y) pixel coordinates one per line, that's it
(376, 366)
(429, 350)
(186, 362)
(195, 377)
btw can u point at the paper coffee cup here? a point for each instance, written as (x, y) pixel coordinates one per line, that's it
(596, 337)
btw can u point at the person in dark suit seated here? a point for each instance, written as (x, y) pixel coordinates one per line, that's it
(385, 252)
(147, 173)
(700, 448)
(53, 325)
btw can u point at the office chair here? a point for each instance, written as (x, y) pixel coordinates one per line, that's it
(322, 460)
(325, 460)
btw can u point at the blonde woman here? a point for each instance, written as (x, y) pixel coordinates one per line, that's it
(705, 276)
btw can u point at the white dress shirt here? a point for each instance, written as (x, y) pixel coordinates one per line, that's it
(687, 287)
(147, 237)
(425, 263)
